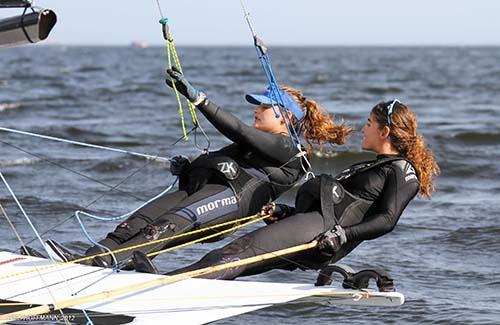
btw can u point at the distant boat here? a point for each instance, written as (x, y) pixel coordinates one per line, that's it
(139, 44)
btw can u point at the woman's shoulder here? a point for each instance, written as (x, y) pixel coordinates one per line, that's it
(403, 170)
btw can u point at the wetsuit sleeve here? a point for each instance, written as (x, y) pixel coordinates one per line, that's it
(286, 211)
(395, 196)
(274, 146)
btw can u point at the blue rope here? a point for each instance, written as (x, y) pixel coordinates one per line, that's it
(266, 65)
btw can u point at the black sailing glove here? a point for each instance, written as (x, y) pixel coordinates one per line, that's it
(178, 165)
(330, 242)
(183, 86)
(276, 212)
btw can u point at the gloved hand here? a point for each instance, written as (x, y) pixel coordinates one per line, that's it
(183, 86)
(275, 212)
(331, 241)
(178, 165)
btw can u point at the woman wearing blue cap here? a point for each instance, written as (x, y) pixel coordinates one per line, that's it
(361, 203)
(236, 181)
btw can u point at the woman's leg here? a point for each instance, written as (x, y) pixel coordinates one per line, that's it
(140, 219)
(294, 230)
(214, 203)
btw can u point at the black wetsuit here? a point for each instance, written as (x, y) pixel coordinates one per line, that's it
(227, 184)
(388, 187)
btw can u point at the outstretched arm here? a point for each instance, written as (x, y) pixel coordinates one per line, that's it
(276, 147)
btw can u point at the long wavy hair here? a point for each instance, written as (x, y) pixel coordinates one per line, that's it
(317, 127)
(404, 139)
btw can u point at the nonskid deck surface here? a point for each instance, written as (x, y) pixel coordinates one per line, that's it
(192, 301)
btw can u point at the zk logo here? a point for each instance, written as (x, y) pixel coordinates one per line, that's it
(229, 169)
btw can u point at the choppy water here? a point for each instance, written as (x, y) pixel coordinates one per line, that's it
(444, 253)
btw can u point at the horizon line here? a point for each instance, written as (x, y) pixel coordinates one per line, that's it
(131, 44)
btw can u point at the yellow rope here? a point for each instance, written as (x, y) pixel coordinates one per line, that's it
(111, 294)
(172, 55)
(177, 96)
(177, 62)
(87, 258)
(209, 236)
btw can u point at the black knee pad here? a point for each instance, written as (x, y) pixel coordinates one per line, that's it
(123, 232)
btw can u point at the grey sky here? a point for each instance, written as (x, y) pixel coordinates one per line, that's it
(279, 22)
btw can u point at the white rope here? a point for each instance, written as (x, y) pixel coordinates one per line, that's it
(123, 216)
(83, 144)
(43, 245)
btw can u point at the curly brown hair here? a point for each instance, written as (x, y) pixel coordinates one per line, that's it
(404, 138)
(317, 126)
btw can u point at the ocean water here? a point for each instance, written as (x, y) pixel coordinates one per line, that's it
(445, 252)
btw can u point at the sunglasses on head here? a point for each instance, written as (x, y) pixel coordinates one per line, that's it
(390, 106)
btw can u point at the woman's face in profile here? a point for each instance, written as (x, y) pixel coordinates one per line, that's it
(265, 119)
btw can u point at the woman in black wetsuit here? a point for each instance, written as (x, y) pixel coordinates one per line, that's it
(231, 183)
(361, 203)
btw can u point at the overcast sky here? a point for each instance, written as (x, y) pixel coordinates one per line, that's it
(278, 22)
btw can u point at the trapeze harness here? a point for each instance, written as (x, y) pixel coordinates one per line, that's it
(243, 166)
(338, 205)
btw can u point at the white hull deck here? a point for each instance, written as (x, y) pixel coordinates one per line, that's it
(191, 301)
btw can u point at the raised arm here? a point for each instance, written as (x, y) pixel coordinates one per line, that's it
(276, 147)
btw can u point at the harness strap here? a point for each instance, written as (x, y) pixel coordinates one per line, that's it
(333, 193)
(364, 166)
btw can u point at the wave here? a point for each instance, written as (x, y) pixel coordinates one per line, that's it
(9, 106)
(383, 90)
(18, 162)
(109, 166)
(343, 156)
(475, 237)
(153, 89)
(332, 162)
(119, 144)
(75, 131)
(478, 138)
(90, 69)
(93, 137)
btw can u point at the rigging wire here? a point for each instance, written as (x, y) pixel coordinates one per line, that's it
(110, 187)
(28, 219)
(18, 236)
(83, 144)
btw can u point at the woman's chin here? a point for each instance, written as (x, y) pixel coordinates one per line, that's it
(364, 146)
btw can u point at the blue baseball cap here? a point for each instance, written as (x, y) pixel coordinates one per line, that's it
(268, 98)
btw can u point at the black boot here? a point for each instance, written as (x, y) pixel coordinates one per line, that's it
(59, 252)
(28, 251)
(143, 264)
